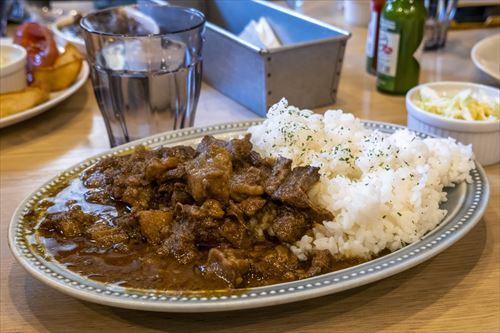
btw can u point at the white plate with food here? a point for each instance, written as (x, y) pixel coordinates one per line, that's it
(236, 216)
(21, 105)
(486, 56)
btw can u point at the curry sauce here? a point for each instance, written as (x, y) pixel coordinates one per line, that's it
(177, 218)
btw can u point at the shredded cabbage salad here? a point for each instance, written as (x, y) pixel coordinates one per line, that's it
(467, 104)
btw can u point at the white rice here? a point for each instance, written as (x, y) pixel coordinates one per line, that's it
(383, 190)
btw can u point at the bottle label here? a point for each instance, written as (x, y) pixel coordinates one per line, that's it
(370, 39)
(388, 48)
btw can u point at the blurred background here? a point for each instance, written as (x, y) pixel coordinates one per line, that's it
(468, 14)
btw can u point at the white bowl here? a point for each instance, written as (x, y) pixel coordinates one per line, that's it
(13, 71)
(63, 38)
(483, 135)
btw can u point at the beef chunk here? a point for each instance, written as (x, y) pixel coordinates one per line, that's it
(279, 173)
(209, 227)
(252, 205)
(205, 221)
(208, 141)
(290, 225)
(235, 233)
(227, 264)
(180, 244)
(291, 186)
(209, 173)
(277, 263)
(71, 223)
(69, 228)
(137, 196)
(98, 196)
(154, 224)
(265, 163)
(240, 149)
(178, 173)
(130, 224)
(123, 178)
(105, 235)
(210, 208)
(175, 158)
(213, 208)
(155, 167)
(181, 153)
(246, 182)
(321, 263)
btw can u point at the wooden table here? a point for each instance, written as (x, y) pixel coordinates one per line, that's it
(457, 291)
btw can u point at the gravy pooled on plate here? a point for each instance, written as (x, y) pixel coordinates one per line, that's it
(178, 218)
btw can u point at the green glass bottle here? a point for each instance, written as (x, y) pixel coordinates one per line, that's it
(400, 37)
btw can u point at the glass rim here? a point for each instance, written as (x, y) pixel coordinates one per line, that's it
(110, 34)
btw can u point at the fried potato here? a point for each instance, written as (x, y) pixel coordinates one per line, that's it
(18, 101)
(64, 71)
(70, 54)
(57, 78)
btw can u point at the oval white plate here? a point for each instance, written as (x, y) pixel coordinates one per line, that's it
(466, 204)
(486, 56)
(55, 97)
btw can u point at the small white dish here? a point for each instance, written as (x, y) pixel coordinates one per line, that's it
(483, 135)
(55, 97)
(13, 68)
(62, 37)
(486, 56)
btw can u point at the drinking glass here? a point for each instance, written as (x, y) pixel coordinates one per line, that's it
(146, 65)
